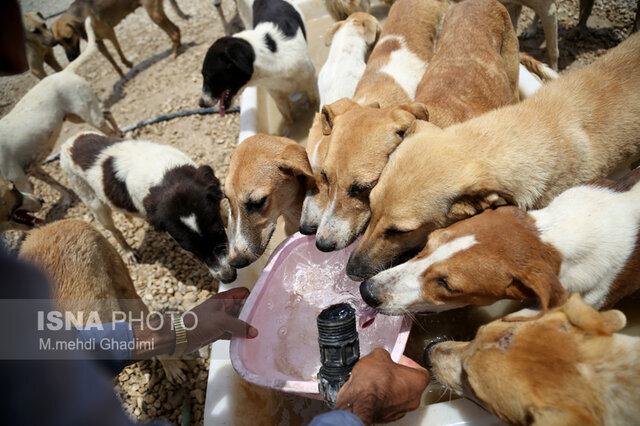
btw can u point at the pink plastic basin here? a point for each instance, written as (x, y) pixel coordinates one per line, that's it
(297, 283)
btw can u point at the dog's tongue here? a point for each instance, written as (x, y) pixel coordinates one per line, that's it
(367, 316)
(26, 217)
(223, 98)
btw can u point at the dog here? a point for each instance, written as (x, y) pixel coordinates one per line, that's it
(583, 242)
(351, 43)
(391, 77)
(39, 43)
(106, 14)
(87, 275)
(16, 208)
(29, 131)
(174, 195)
(568, 367)
(274, 54)
(268, 178)
(571, 131)
(342, 9)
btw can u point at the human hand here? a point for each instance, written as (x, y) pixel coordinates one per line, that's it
(379, 390)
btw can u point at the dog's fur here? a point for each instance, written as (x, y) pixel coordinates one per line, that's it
(274, 54)
(365, 130)
(87, 275)
(39, 42)
(174, 195)
(585, 241)
(569, 367)
(268, 178)
(29, 132)
(581, 126)
(106, 14)
(351, 42)
(15, 208)
(342, 9)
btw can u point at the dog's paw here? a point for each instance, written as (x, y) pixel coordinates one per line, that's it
(174, 370)
(578, 33)
(132, 258)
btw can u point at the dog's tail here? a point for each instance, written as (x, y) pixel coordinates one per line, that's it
(533, 65)
(180, 13)
(92, 47)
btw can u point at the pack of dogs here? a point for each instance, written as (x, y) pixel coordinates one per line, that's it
(460, 171)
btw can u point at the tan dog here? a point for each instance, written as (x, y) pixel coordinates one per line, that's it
(582, 126)
(15, 208)
(568, 367)
(39, 43)
(87, 275)
(585, 241)
(106, 14)
(268, 178)
(356, 153)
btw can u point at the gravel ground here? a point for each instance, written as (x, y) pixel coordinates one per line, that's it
(167, 277)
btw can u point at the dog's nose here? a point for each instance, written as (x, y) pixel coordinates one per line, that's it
(228, 275)
(367, 295)
(324, 245)
(40, 200)
(238, 262)
(357, 268)
(308, 229)
(427, 354)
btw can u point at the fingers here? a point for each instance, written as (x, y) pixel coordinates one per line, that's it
(234, 293)
(238, 328)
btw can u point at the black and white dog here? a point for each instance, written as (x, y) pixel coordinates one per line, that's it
(167, 189)
(274, 54)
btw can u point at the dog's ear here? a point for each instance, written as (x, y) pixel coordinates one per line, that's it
(590, 320)
(543, 282)
(40, 15)
(237, 55)
(484, 192)
(78, 28)
(331, 111)
(331, 31)
(418, 110)
(371, 31)
(293, 160)
(206, 176)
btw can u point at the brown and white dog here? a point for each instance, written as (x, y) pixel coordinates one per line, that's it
(363, 132)
(268, 178)
(156, 182)
(16, 208)
(581, 126)
(106, 14)
(585, 241)
(569, 367)
(87, 275)
(39, 42)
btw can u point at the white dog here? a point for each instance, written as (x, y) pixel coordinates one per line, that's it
(351, 43)
(29, 132)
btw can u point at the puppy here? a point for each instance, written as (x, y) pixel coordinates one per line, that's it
(351, 42)
(341, 9)
(364, 131)
(87, 275)
(579, 127)
(106, 15)
(29, 132)
(39, 44)
(15, 208)
(174, 195)
(268, 178)
(568, 367)
(274, 54)
(584, 241)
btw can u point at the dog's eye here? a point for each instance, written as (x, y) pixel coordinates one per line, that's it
(358, 189)
(400, 133)
(389, 232)
(36, 31)
(442, 282)
(324, 176)
(255, 206)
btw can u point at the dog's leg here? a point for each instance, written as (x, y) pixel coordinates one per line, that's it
(16, 174)
(225, 24)
(284, 105)
(50, 59)
(111, 36)
(549, 19)
(157, 15)
(67, 196)
(103, 214)
(103, 49)
(514, 12)
(114, 130)
(179, 12)
(581, 29)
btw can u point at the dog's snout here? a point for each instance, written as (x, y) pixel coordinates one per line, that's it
(227, 275)
(427, 354)
(367, 294)
(40, 200)
(238, 261)
(202, 103)
(308, 229)
(325, 245)
(357, 268)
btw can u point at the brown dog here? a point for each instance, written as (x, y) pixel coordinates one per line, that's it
(87, 274)
(568, 367)
(39, 43)
(579, 127)
(106, 14)
(363, 132)
(268, 178)
(15, 208)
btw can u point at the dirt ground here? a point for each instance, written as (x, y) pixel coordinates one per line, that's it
(167, 277)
